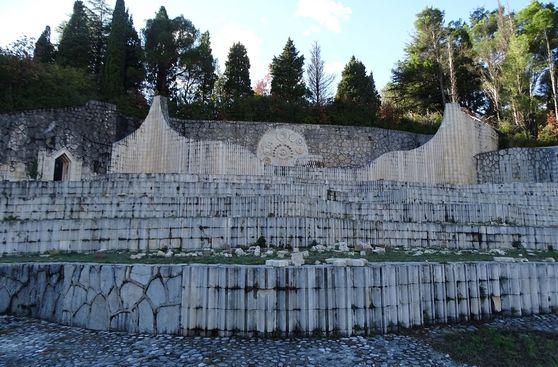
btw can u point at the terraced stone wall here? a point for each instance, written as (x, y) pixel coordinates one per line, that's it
(188, 212)
(250, 300)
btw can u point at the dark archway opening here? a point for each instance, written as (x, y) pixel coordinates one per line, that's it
(62, 168)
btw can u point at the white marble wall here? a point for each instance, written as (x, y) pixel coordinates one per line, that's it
(148, 212)
(260, 300)
(447, 158)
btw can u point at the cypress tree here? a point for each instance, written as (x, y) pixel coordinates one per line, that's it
(99, 27)
(237, 74)
(287, 71)
(75, 48)
(44, 50)
(135, 71)
(114, 78)
(357, 90)
(206, 64)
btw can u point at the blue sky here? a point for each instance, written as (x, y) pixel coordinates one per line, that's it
(375, 31)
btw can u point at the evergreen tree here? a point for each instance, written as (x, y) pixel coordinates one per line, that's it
(114, 77)
(44, 50)
(166, 41)
(237, 84)
(287, 72)
(135, 56)
(420, 81)
(438, 68)
(197, 74)
(98, 13)
(207, 65)
(357, 92)
(75, 48)
(539, 23)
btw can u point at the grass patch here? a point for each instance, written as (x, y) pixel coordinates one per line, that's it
(391, 255)
(123, 257)
(500, 347)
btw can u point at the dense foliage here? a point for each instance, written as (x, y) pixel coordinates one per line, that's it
(499, 65)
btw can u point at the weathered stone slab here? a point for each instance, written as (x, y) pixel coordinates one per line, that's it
(222, 299)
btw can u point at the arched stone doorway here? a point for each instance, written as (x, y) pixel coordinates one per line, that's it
(62, 166)
(58, 166)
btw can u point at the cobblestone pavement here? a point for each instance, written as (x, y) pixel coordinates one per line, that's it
(27, 342)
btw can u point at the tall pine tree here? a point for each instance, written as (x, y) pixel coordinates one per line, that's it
(287, 72)
(357, 94)
(98, 13)
(75, 48)
(44, 50)
(135, 56)
(166, 42)
(197, 74)
(207, 65)
(114, 76)
(237, 74)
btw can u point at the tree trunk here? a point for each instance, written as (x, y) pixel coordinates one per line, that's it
(552, 75)
(454, 98)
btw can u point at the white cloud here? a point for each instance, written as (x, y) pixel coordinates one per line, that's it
(327, 13)
(227, 35)
(311, 30)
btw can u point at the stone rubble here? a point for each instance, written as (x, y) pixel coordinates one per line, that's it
(28, 342)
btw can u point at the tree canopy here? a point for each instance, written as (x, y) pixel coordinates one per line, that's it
(498, 64)
(76, 44)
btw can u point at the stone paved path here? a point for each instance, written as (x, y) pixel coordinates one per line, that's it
(27, 342)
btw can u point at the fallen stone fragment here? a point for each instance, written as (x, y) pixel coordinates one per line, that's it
(137, 256)
(297, 259)
(504, 259)
(499, 252)
(319, 248)
(347, 262)
(342, 246)
(277, 263)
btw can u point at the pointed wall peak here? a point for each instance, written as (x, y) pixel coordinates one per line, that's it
(159, 110)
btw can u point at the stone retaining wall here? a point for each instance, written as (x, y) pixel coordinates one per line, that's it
(87, 132)
(250, 300)
(518, 165)
(188, 212)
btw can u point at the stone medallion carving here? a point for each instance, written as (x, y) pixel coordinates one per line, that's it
(282, 147)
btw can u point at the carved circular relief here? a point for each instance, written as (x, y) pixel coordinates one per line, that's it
(282, 147)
